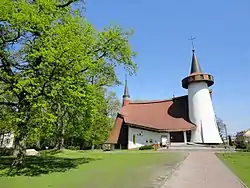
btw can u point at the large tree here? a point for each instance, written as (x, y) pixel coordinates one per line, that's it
(222, 127)
(51, 58)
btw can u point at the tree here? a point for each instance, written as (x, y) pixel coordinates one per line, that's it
(230, 142)
(222, 127)
(5, 123)
(90, 124)
(240, 141)
(49, 55)
(113, 104)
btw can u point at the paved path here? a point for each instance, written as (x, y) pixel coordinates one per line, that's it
(202, 169)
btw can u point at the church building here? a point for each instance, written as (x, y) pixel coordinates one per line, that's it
(184, 119)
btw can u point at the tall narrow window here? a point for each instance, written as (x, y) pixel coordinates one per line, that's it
(134, 139)
(7, 141)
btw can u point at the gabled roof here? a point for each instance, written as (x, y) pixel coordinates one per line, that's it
(158, 115)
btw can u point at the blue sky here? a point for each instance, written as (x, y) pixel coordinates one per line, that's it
(162, 29)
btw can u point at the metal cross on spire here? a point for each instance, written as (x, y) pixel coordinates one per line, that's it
(192, 39)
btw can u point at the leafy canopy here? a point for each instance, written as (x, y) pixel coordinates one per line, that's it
(54, 67)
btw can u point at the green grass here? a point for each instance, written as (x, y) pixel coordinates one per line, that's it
(239, 162)
(76, 169)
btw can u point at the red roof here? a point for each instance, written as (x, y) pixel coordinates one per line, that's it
(158, 115)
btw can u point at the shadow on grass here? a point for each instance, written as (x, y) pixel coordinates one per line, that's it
(35, 166)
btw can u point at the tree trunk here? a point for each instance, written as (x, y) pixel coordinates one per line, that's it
(2, 139)
(60, 143)
(38, 144)
(60, 137)
(61, 113)
(81, 143)
(19, 152)
(225, 127)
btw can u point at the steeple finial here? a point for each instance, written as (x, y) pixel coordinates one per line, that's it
(192, 39)
(126, 94)
(195, 67)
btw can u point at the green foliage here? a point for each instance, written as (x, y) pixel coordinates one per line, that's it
(146, 147)
(113, 104)
(240, 141)
(6, 151)
(54, 72)
(245, 148)
(73, 147)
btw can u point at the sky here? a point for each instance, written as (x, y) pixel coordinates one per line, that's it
(161, 32)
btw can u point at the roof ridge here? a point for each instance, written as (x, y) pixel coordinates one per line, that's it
(154, 101)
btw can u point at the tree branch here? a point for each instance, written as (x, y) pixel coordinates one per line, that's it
(6, 65)
(101, 56)
(14, 39)
(100, 49)
(8, 103)
(66, 4)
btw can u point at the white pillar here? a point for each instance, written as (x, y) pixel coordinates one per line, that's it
(168, 135)
(185, 136)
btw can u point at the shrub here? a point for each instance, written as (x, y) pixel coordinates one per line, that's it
(248, 147)
(6, 151)
(147, 147)
(244, 150)
(240, 141)
(73, 147)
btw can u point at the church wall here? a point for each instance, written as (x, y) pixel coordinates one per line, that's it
(7, 140)
(201, 113)
(138, 137)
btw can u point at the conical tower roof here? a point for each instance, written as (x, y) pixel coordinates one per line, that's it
(126, 93)
(195, 66)
(196, 74)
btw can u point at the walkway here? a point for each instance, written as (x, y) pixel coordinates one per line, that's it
(202, 169)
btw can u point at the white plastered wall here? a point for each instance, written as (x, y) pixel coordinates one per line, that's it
(201, 113)
(7, 140)
(143, 137)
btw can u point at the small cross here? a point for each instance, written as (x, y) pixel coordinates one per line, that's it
(192, 39)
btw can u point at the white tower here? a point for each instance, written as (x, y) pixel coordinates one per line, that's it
(201, 112)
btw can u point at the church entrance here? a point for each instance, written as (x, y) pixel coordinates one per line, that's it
(177, 136)
(164, 140)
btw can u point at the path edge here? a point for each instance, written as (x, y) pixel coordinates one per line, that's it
(172, 171)
(242, 183)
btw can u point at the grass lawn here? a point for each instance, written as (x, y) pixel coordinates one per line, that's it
(239, 162)
(78, 169)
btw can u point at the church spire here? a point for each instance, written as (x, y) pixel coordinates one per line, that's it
(125, 93)
(195, 66)
(126, 96)
(196, 74)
